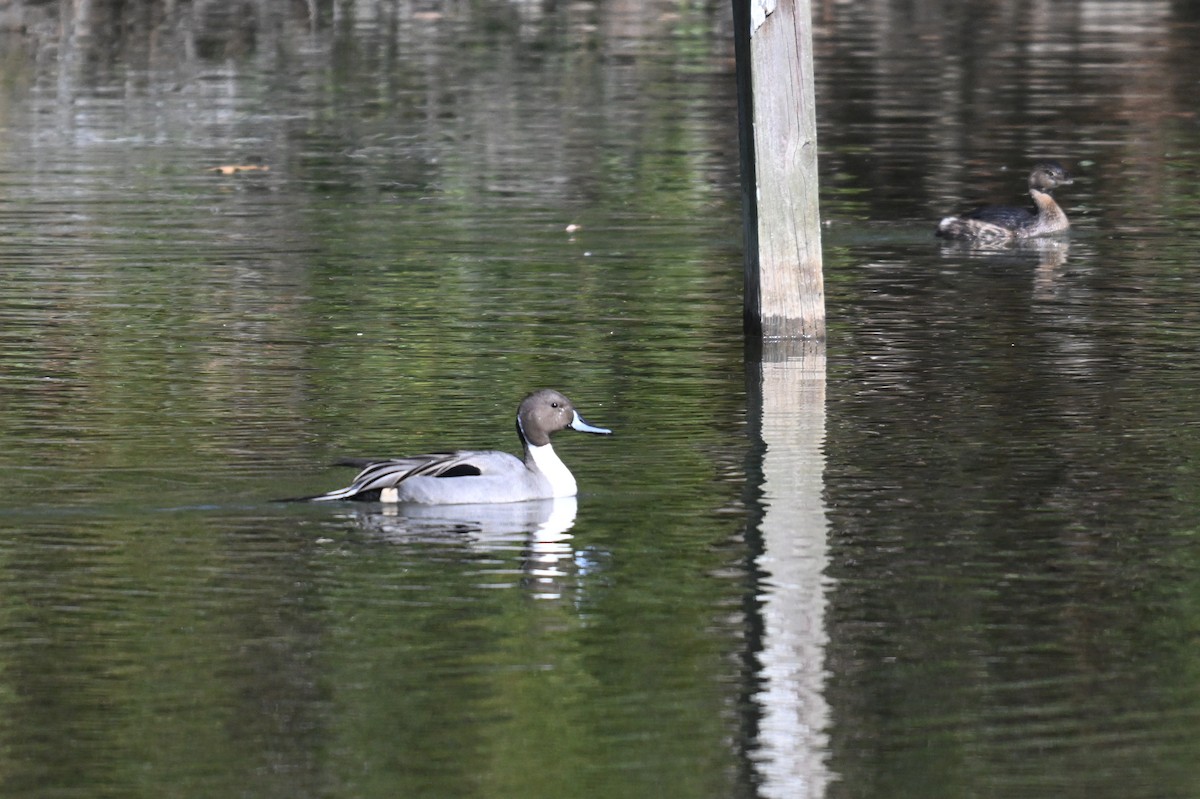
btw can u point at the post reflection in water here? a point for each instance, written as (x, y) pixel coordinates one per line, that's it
(788, 394)
(538, 531)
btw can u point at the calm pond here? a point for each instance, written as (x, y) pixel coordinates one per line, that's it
(956, 553)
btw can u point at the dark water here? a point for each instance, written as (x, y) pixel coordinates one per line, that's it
(955, 554)
(1012, 437)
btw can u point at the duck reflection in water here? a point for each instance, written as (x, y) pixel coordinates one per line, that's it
(1049, 257)
(537, 533)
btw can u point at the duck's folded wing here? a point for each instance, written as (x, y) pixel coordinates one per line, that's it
(380, 474)
(1008, 216)
(385, 474)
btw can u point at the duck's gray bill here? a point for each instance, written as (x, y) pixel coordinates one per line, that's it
(578, 424)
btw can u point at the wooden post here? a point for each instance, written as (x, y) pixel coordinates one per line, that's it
(785, 294)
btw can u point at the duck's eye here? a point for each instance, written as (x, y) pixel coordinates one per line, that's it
(554, 405)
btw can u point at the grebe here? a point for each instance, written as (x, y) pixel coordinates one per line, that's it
(1003, 223)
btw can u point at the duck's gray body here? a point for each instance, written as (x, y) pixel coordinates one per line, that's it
(478, 476)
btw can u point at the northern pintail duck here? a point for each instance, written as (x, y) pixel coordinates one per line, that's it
(478, 476)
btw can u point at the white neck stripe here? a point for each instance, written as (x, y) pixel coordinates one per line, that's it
(562, 482)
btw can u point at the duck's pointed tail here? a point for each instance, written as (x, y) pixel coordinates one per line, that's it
(349, 492)
(314, 498)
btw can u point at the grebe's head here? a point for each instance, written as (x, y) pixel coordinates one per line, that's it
(1048, 175)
